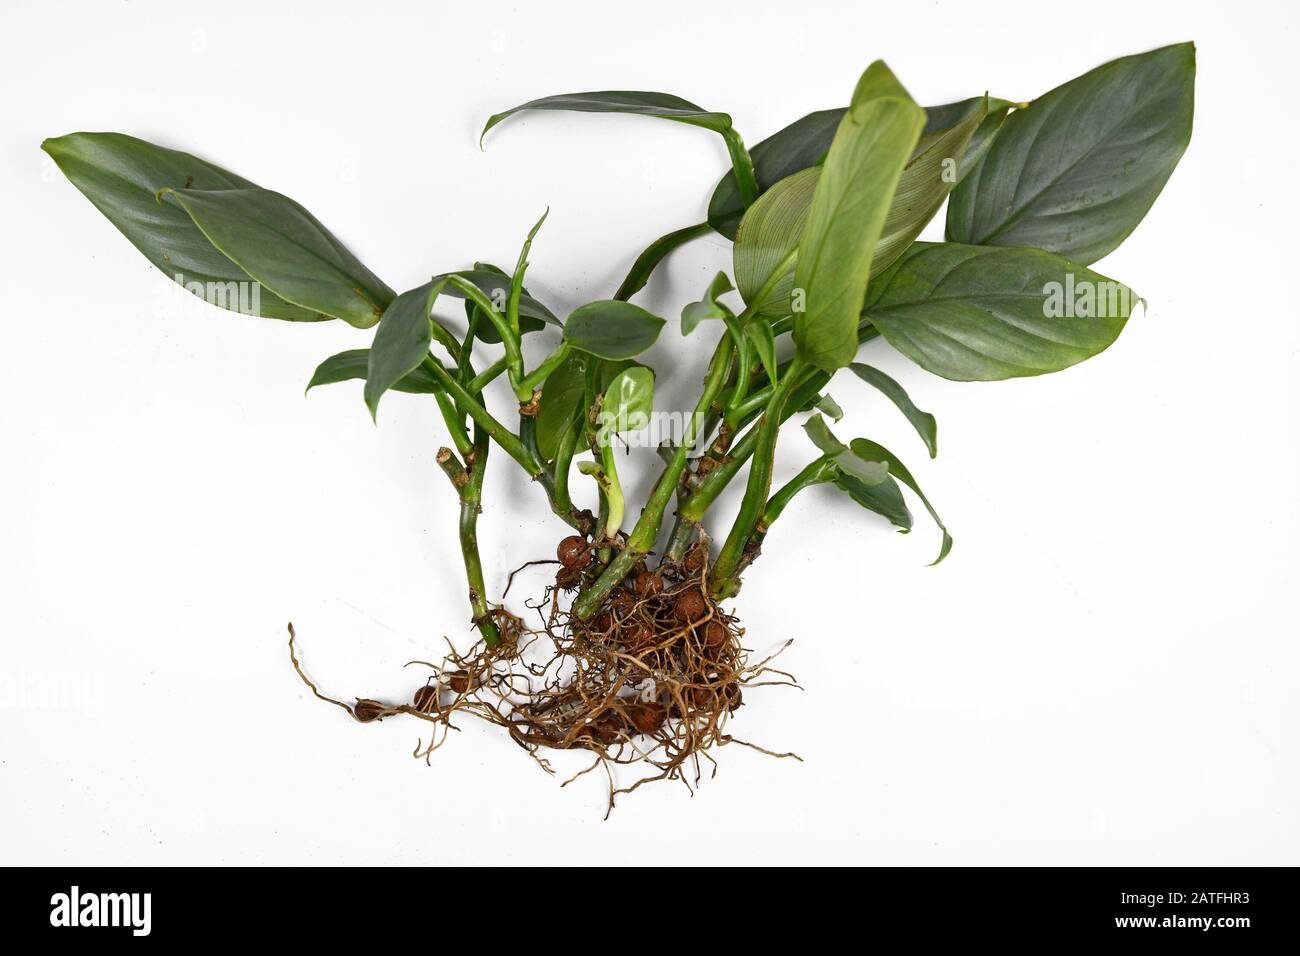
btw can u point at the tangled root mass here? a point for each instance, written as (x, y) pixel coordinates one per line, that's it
(652, 679)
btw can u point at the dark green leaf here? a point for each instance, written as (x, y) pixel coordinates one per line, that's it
(1076, 171)
(561, 401)
(562, 395)
(122, 176)
(284, 247)
(661, 105)
(871, 451)
(980, 313)
(401, 341)
(885, 498)
(495, 284)
(923, 422)
(655, 253)
(612, 329)
(800, 145)
(709, 307)
(983, 138)
(848, 210)
(355, 363)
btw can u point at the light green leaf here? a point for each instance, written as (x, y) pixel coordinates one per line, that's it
(982, 313)
(927, 179)
(562, 394)
(848, 211)
(612, 329)
(767, 241)
(287, 250)
(829, 407)
(709, 307)
(871, 451)
(770, 231)
(122, 176)
(923, 422)
(863, 468)
(629, 399)
(1076, 171)
(761, 339)
(804, 143)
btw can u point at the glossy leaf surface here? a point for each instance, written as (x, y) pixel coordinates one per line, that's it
(981, 313)
(287, 250)
(122, 175)
(1076, 171)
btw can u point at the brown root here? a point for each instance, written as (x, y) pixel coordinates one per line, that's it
(651, 679)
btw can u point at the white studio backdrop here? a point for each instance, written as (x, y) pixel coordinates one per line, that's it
(1103, 671)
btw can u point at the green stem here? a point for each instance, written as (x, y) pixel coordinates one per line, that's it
(509, 337)
(563, 465)
(729, 465)
(819, 470)
(548, 365)
(455, 423)
(471, 496)
(760, 482)
(744, 362)
(613, 490)
(499, 433)
(743, 166)
(646, 530)
(488, 375)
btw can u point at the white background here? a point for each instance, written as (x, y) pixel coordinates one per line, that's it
(1104, 671)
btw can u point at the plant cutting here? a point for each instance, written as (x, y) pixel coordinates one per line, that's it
(637, 657)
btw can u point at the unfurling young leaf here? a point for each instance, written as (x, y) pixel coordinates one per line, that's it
(804, 144)
(849, 206)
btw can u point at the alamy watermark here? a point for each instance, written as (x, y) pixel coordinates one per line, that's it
(1086, 299)
(648, 429)
(234, 295)
(74, 908)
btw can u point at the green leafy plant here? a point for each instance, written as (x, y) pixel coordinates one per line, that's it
(644, 663)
